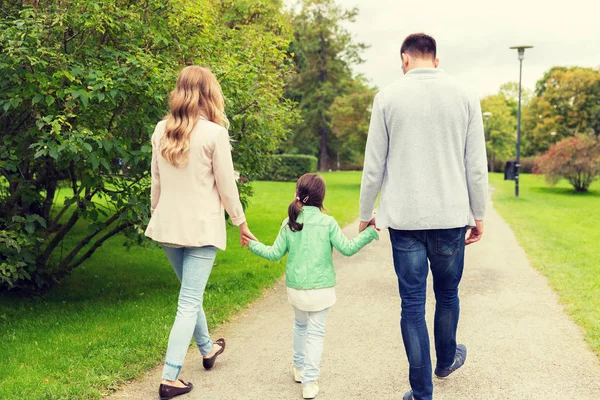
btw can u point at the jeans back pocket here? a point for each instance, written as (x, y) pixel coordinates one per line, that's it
(449, 241)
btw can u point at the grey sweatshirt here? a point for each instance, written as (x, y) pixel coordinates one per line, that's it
(426, 154)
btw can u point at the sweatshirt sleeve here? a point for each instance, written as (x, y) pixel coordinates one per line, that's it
(275, 252)
(155, 175)
(225, 178)
(350, 247)
(375, 162)
(476, 161)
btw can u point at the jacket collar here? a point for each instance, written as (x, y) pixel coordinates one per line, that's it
(424, 71)
(311, 209)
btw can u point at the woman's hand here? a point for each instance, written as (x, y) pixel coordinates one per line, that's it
(245, 235)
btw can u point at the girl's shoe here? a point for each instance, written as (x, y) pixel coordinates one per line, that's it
(209, 363)
(167, 392)
(310, 392)
(297, 375)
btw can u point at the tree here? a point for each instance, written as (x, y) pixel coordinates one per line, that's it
(576, 159)
(83, 84)
(567, 102)
(350, 115)
(510, 90)
(323, 52)
(500, 128)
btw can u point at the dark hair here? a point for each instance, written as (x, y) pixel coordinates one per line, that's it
(419, 45)
(310, 191)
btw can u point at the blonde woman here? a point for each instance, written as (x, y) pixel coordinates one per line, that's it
(192, 183)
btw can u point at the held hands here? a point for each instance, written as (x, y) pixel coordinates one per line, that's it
(245, 235)
(476, 233)
(364, 225)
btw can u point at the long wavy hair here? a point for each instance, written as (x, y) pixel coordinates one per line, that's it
(310, 191)
(197, 94)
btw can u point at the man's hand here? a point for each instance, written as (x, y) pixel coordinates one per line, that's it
(246, 235)
(364, 225)
(476, 233)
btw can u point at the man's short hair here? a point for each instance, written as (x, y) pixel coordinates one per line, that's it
(419, 45)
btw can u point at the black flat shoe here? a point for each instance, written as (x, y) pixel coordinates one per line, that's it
(209, 363)
(167, 392)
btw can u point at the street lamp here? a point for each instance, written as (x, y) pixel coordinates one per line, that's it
(486, 118)
(521, 51)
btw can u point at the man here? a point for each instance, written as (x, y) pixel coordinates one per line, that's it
(426, 154)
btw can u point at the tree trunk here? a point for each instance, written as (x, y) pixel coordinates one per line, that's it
(322, 123)
(323, 157)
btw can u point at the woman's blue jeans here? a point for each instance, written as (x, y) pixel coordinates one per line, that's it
(192, 266)
(445, 250)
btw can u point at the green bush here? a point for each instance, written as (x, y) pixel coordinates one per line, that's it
(289, 167)
(83, 84)
(527, 165)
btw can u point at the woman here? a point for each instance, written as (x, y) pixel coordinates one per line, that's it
(192, 182)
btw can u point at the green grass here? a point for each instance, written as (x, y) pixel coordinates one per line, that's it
(109, 322)
(560, 231)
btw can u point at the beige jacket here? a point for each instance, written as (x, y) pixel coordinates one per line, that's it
(188, 202)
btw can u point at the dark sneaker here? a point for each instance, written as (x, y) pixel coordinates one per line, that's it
(459, 360)
(408, 396)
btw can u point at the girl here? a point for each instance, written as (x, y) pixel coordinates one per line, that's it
(308, 236)
(192, 181)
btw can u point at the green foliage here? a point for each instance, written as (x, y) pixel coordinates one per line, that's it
(567, 102)
(109, 321)
(559, 230)
(576, 159)
(527, 165)
(500, 128)
(323, 52)
(350, 116)
(290, 167)
(83, 84)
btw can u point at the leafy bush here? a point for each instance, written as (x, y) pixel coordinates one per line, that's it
(577, 159)
(527, 165)
(83, 84)
(289, 167)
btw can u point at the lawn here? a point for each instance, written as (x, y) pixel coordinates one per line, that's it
(560, 231)
(109, 322)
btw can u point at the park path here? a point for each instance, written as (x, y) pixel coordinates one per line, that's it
(521, 343)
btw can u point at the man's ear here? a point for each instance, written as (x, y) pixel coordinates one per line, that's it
(404, 59)
(436, 62)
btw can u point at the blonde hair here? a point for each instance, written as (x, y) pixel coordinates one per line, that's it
(197, 94)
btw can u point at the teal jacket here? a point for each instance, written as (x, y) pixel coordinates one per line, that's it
(310, 263)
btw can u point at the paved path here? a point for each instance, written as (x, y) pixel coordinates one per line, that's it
(521, 344)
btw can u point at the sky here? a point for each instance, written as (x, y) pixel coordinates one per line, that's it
(473, 37)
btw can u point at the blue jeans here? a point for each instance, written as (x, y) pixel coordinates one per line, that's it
(309, 330)
(192, 266)
(445, 249)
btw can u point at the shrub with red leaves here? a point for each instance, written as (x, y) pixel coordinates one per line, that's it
(577, 159)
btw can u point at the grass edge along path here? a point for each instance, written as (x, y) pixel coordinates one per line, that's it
(109, 322)
(560, 232)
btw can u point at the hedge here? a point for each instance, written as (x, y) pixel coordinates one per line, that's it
(289, 167)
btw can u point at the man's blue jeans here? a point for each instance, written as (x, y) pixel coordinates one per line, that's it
(445, 250)
(192, 266)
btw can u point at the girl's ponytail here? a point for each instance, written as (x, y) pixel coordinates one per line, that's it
(293, 212)
(310, 191)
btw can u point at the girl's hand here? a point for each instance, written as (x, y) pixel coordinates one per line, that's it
(245, 235)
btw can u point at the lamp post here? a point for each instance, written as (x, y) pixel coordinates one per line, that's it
(521, 52)
(486, 118)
